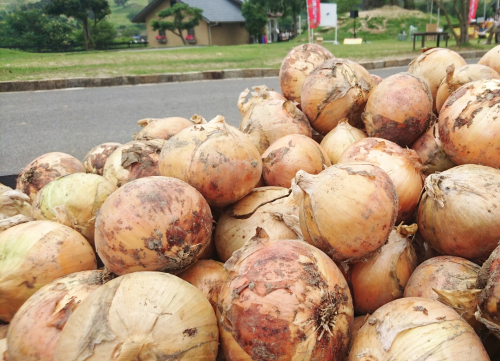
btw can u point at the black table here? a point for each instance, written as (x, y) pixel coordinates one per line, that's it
(423, 35)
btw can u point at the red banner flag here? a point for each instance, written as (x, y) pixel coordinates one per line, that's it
(472, 9)
(314, 13)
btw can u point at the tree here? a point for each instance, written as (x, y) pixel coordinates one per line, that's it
(344, 6)
(255, 18)
(461, 10)
(121, 2)
(291, 8)
(82, 10)
(179, 17)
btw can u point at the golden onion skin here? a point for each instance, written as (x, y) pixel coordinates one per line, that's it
(163, 128)
(492, 59)
(96, 159)
(339, 139)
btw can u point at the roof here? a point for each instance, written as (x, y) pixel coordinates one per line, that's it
(224, 11)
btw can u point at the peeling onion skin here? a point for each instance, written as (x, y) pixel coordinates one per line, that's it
(274, 299)
(489, 278)
(468, 124)
(339, 139)
(13, 203)
(45, 169)
(163, 128)
(458, 212)
(416, 328)
(340, 204)
(96, 159)
(399, 109)
(260, 93)
(297, 65)
(335, 90)
(492, 59)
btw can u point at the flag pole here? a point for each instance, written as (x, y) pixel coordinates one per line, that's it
(308, 24)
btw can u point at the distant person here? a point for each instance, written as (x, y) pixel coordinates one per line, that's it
(495, 27)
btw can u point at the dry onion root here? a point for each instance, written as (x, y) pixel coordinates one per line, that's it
(489, 280)
(96, 159)
(7, 223)
(260, 93)
(492, 59)
(339, 139)
(162, 128)
(13, 202)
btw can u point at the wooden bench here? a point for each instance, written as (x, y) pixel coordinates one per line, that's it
(437, 34)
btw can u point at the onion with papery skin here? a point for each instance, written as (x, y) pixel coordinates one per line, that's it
(339, 139)
(401, 164)
(468, 124)
(492, 59)
(7, 223)
(399, 109)
(163, 128)
(215, 158)
(13, 202)
(376, 79)
(45, 169)
(340, 204)
(133, 160)
(284, 300)
(35, 329)
(454, 79)
(270, 120)
(36, 253)
(416, 328)
(271, 208)
(383, 278)
(73, 200)
(488, 312)
(286, 156)
(153, 224)
(335, 90)
(260, 93)
(458, 212)
(297, 65)
(96, 159)
(141, 316)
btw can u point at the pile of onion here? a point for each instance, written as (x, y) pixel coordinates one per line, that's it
(141, 316)
(383, 278)
(271, 208)
(297, 65)
(340, 204)
(215, 158)
(492, 59)
(35, 253)
(401, 164)
(399, 109)
(133, 160)
(468, 124)
(416, 328)
(267, 121)
(489, 299)
(458, 212)
(260, 93)
(163, 128)
(45, 169)
(284, 300)
(339, 139)
(286, 156)
(335, 90)
(153, 224)
(13, 202)
(96, 159)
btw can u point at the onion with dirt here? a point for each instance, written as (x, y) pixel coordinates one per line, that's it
(13, 203)
(96, 159)
(161, 128)
(260, 93)
(492, 59)
(339, 139)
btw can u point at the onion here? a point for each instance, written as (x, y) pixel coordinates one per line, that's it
(45, 169)
(286, 156)
(383, 278)
(260, 93)
(492, 59)
(458, 213)
(270, 120)
(340, 204)
(141, 316)
(454, 79)
(416, 328)
(7, 223)
(402, 165)
(3, 350)
(489, 280)
(3, 332)
(468, 124)
(339, 139)
(335, 90)
(96, 159)
(399, 109)
(270, 208)
(36, 253)
(163, 128)
(215, 158)
(431, 67)
(284, 300)
(423, 249)
(297, 65)
(133, 160)
(153, 224)
(35, 329)
(376, 79)
(13, 202)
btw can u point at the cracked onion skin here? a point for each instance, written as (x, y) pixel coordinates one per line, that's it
(468, 124)
(96, 159)
(492, 59)
(163, 128)
(260, 93)
(284, 300)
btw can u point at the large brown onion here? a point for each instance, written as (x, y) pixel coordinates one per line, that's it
(402, 165)
(270, 120)
(383, 278)
(96, 159)
(347, 210)
(492, 59)
(260, 93)
(286, 156)
(468, 124)
(45, 169)
(339, 139)
(284, 300)
(13, 202)
(489, 280)
(399, 109)
(416, 328)
(215, 158)
(335, 90)
(35, 253)
(297, 65)
(271, 208)
(153, 224)
(458, 213)
(163, 128)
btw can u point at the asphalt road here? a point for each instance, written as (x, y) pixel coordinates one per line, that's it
(75, 120)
